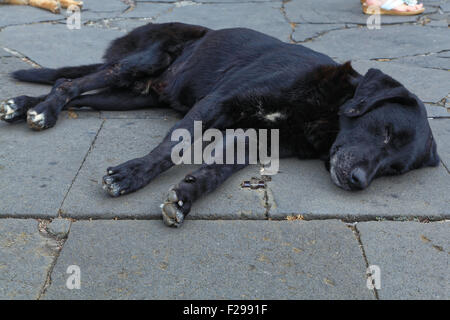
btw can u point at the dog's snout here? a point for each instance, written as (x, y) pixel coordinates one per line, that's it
(358, 179)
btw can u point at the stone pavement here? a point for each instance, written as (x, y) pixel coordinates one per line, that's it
(299, 238)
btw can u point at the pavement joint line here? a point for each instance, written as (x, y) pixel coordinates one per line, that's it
(208, 2)
(33, 23)
(91, 147)
(48, 279)
(23, 57)
(291, 24)
(357, 235)
(446, 168)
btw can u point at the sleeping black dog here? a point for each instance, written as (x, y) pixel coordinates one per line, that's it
(363, 127)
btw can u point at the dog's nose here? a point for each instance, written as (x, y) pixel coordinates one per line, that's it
(358, 179)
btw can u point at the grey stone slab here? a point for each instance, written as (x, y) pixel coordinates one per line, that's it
(444, 54)
(16, 15)
(4, 53)
(438, 23)
(305, 31)
(105, 5)
(336, 11)
(445, 7)
(68, 47)
(126, 24)
(387, 42)
(10, 88)
(441, 133)
(413, 258)
(154, 113)
(212, 260)
(141, 11)
(25, 259)
(265, 17)
(428, 84)
(437, 111)
(189, 2)
(148, 10)
(37, 168)
(437, 16)
(310, 192)
(121, 140)
(89, 17)
(431, 61)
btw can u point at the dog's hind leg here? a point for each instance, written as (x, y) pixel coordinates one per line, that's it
(49, 76)
(15, 109)
(120, 74)
(110, 101)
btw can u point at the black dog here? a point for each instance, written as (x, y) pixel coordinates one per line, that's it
(362, 126)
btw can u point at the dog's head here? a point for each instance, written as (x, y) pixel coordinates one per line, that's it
(383, 131)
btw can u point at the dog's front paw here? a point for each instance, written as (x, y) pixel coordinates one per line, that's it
(11, 111)
(125, 178)
(175, 208)
(40, 121)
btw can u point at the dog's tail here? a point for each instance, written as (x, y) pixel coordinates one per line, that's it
(49, 76)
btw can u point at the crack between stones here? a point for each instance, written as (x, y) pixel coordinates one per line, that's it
(22, 57)
(205, 2)
(303, 217)
(33, 23)
(91, 147)
(363, 252)
(446, 168)
(320, 34)
(368, 218)
(425, 54)
(291, 24)
(60, 243)
(96, 22)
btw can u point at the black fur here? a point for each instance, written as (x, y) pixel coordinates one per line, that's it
(361, 126)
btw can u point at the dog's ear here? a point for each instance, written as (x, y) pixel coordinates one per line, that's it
(374, 89)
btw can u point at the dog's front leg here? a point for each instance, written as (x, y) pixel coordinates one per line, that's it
(137, 173)
(203, 181)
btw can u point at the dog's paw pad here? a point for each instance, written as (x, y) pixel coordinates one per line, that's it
(36, 121)
(172, 213)
(9, 111)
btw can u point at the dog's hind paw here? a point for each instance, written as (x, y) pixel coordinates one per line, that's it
(172, 210)
(39, 121)
(10, 111)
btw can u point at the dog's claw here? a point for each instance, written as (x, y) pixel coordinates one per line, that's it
(9, 110)
(172, 214)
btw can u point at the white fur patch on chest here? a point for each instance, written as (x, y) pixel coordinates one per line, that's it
(272, 117)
